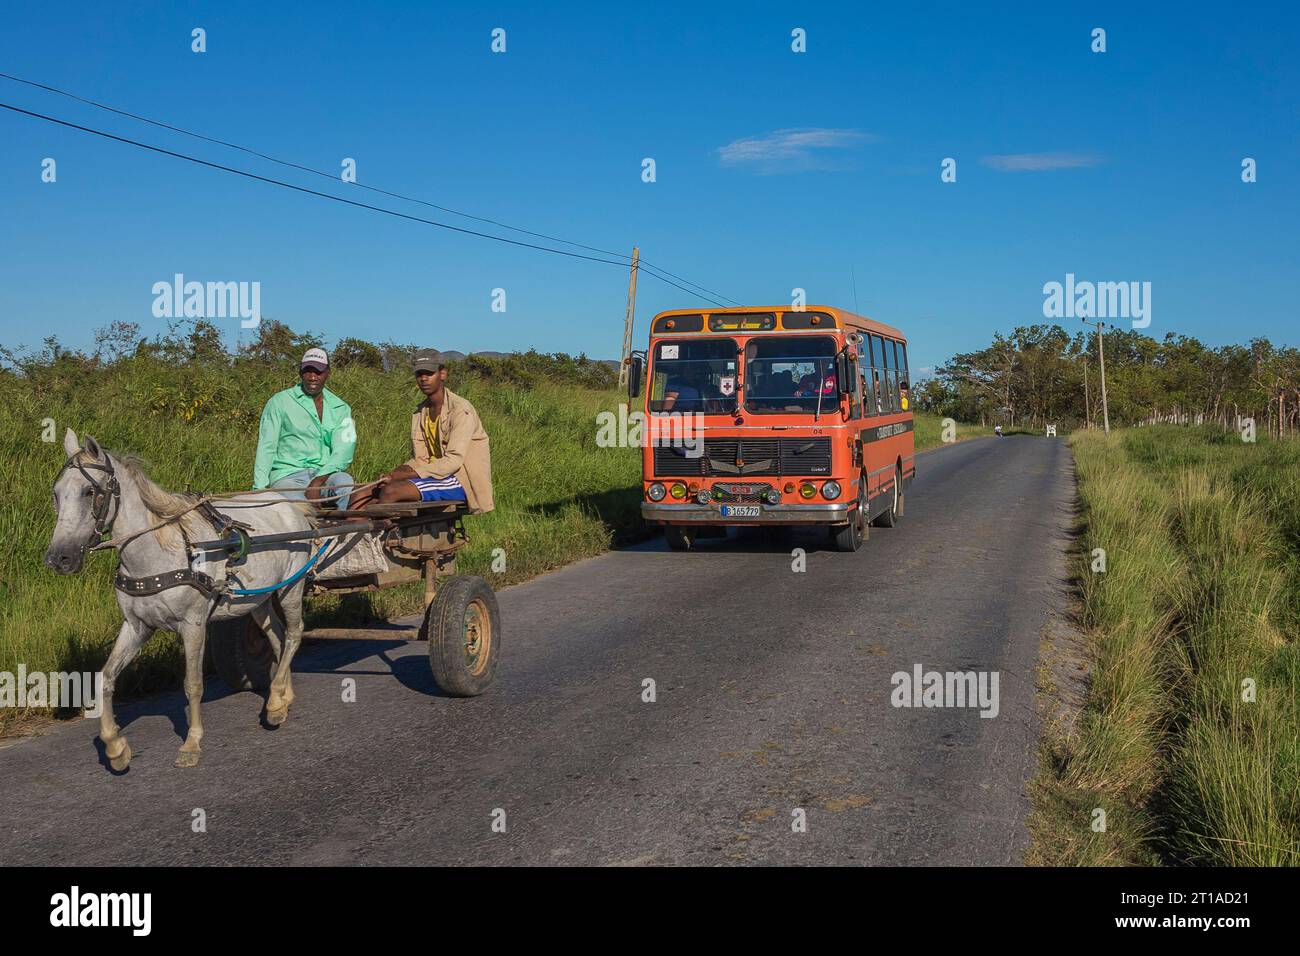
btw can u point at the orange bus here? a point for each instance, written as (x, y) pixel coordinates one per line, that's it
(793, 417)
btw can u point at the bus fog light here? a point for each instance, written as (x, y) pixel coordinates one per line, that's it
(678, 490)
(831, 490)
(656, 491)
(807, 490)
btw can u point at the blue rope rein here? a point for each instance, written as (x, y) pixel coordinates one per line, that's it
(241, 592)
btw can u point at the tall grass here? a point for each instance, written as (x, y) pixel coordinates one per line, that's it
(1198, 604)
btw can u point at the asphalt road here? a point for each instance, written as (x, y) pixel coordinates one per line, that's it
(772, 695)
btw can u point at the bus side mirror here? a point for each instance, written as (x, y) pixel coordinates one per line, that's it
(634, 377)
(842, 372)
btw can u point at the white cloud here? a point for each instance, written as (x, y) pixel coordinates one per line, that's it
(1037, 162)
(792, 150)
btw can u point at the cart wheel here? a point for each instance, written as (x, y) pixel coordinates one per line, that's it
(241, 653)
(463, 628)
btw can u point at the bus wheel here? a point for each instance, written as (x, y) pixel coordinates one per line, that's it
(849, 537)
(891, 517)
(680, 537)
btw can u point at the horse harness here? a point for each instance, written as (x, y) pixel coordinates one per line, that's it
(109, 494)
(205, 584)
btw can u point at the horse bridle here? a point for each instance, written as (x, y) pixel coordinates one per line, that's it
(106, 495)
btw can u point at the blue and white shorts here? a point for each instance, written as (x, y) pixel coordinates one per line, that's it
(440, 489)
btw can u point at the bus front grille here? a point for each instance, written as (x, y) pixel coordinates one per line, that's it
(742, 457)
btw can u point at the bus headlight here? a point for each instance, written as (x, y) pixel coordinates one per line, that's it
(656, 491)
(807, 490)
(831, 490)
(773, 496)
(678, 490)
(703, 496)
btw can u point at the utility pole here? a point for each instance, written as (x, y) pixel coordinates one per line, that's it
(1101, 358)
(1087, 395)
(623, 366)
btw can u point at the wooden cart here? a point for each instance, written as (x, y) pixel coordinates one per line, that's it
(420, 540)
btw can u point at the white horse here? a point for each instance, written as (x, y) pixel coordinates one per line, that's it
(160, 588)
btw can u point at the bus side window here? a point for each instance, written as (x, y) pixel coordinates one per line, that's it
(877, 400)
(882, 370)
(891, 363)
(904, 375)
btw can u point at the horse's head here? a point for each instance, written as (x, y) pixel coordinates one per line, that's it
(86, 500)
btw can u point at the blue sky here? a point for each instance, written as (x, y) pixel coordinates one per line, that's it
(1145, 140)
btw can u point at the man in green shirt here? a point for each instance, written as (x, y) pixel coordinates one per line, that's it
(306, 439)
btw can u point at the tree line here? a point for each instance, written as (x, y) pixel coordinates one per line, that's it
(197, 344)
(1042, 374)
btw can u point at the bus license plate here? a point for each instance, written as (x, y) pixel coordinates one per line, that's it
(741, 511)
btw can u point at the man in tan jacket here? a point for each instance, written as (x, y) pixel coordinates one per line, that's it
(450, 458)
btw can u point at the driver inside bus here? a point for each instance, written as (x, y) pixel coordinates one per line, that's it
(686, 388)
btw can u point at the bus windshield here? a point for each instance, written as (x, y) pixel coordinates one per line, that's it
(791, 374)
(694, 375)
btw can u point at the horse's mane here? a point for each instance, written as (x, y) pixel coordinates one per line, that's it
(162, 503)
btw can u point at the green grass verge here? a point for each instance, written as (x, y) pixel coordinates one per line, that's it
(1200, 601)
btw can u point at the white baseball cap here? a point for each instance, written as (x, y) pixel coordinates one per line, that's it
(315, 358)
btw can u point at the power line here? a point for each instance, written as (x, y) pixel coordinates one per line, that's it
(650, 267)
(340, 199)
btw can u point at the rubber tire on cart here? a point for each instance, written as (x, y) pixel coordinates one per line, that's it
(891, 517)
(849, 537)
(680, 537)
(241, 652)
(463, 628)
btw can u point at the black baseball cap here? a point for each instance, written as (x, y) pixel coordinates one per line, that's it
(428, 360)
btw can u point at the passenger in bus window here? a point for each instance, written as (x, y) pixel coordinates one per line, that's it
(902, 389)
(808, 385)
(879, 407)
(779, 388)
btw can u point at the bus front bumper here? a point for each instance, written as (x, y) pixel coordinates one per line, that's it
(833, 513)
